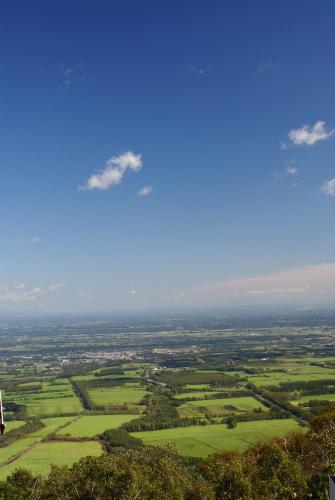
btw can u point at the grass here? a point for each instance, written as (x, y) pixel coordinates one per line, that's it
(198, 394)
(13, 424)
(39, 458)
(109, 396)
(275, 378)
(52, 399)
(320, 397)
(220, 406)
(199, 441)
(91, 425)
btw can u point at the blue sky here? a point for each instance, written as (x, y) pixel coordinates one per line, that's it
(166, 154)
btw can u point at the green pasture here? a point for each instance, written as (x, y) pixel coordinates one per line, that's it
(320, 397)
(109, 396)
(14, 424)
(201, 441)
(91, 425)
(305, 374)
(39, 458)
(52, 399)
(196, 394)
(220, 406)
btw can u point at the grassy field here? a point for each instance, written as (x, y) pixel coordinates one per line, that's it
(109, 396)
(53, 398)
(39, 458)
(14, 424)
(220, 406)
(275, 378)
(91, 425)
(201, 441)
(197, 394)
(320, 397)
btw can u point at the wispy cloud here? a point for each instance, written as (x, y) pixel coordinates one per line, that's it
(145, 191)
(307, 135)
(289, 170)
(20, 293)
(311, 281)
(199, 70)
(55, 287)
(74, 73)
(133, 291)
(329, 187)
(292, 170)
(85, 295)
(114, 171)
(36, 239)
(267, 66)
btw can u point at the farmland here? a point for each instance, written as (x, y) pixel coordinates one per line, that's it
(91, 425)
(203, 441)
(204, 388)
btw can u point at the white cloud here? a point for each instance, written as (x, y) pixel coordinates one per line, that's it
(310, 135)
(266, 66)
(291, 170)
(74, 74)
(56, 286)
(329, 187)
(85, 295)
(199, 70)
(36, 239)
(114, 171)
(312, 282)
(145, 191)
(19, 293)
(133, 291)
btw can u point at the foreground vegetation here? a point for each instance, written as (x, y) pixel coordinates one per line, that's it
(291, 468)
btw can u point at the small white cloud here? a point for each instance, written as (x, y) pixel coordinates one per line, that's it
(145, 191)
(56, 286)
(85, 295)
(133, 291)
(114, 171)
(199, 70)
(36, 239)
(329, 187)
(74, 74)
(291, 170)
(310, 135)
(266, 66)
(19, 293)
(283, 145)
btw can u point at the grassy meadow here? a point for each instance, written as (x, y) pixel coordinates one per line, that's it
(201, 441)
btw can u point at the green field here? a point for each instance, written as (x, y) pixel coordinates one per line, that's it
(198, 394)
(199, 441)
(52, 399)
(320, 397)
(220, 406)
(275, 378)
(91, 425)
(39, 458)
(109, 396)
(14, 424)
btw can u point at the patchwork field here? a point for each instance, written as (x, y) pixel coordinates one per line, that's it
(39, 458)
(217, 407)
(199, 441)
(53, 398)
(109, 396)
(275, 378)
(320, 397)
(90, 426)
